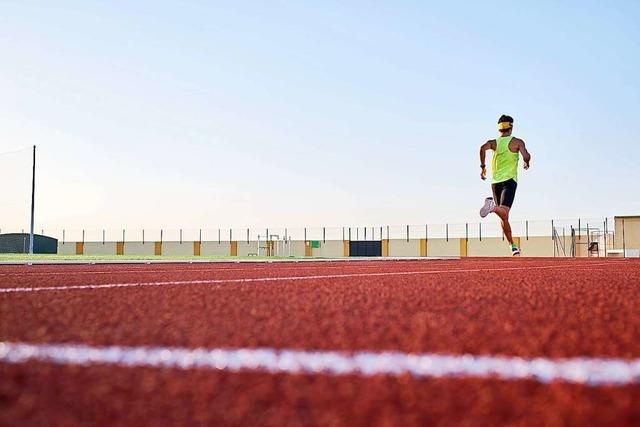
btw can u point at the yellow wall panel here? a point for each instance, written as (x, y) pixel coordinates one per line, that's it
(423, 247)
(463, 247)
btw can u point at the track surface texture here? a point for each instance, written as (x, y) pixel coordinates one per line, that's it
(114, 344)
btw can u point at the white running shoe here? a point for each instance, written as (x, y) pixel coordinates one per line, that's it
(515, 250)
(488, 207)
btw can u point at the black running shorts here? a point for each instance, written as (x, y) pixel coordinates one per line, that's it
(504, 192)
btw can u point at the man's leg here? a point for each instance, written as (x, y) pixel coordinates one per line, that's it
(503, 212)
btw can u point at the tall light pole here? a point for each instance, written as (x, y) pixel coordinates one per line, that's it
(33, 199)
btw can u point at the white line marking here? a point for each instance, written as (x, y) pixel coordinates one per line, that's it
(581, 370)
(280, 266)
(279, 279)
(215, 269)
(266, 266)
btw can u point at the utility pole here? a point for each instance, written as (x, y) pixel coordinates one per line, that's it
(33, 199)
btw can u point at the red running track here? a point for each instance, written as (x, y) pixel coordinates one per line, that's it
(550, 308)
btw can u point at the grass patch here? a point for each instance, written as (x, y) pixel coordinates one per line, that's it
(21, 258)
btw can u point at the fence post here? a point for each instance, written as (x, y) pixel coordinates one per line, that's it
(407, 233)
(588, 238)
(103, 237)
(324, 235)
(143, 236)
(365, 233)
(230, 235)
(218, 236)
(200, 236)
(614, 232)
(605, 237)
(181, 236)
(349, 233)
(624, 245)
(579, 232)
(466, 231)
(387, 232)
(161, 235)
(247, 236)
(573, 241)
(553, 228)
(480, 231)
(527, 228)
(447, 231)
(342, 234)
(305, 234)
(63, 236)
(83, 237)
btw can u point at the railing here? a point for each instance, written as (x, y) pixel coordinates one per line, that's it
(472, 230)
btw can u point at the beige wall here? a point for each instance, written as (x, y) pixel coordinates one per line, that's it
(631, 232)
(495, 246)
(139, 248)
(329, 249)
(440, 247)
(99, 248)
(67, 248)
(244, 248)
(489, 246)
(176, 248)
(215, 249)
(400, 248)
(538, 247)
(297, 248)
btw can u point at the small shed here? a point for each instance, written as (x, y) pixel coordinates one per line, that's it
(18, 243)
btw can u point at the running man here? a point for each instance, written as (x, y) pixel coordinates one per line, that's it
(504, 168)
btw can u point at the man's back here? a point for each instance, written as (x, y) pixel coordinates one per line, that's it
(504, 164)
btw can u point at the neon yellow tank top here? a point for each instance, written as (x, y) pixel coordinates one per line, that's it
(504, 164)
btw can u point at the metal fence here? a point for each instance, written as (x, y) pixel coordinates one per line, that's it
(471, 230)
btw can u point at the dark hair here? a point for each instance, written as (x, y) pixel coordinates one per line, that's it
(504, 118)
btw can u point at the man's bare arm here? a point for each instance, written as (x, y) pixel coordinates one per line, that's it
(489, 145)
(526, 156)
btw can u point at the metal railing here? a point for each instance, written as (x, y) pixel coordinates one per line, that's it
(525, 229)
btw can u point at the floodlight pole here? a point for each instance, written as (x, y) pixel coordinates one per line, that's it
(33, 199)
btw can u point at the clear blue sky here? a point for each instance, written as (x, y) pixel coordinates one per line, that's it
(188, 114)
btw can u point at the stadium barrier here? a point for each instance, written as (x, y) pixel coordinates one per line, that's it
(619, 236)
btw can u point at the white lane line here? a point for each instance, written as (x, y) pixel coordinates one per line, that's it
(214, 269)
(266, 267)
(279, 279)
(580, 370)
(280, 266)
